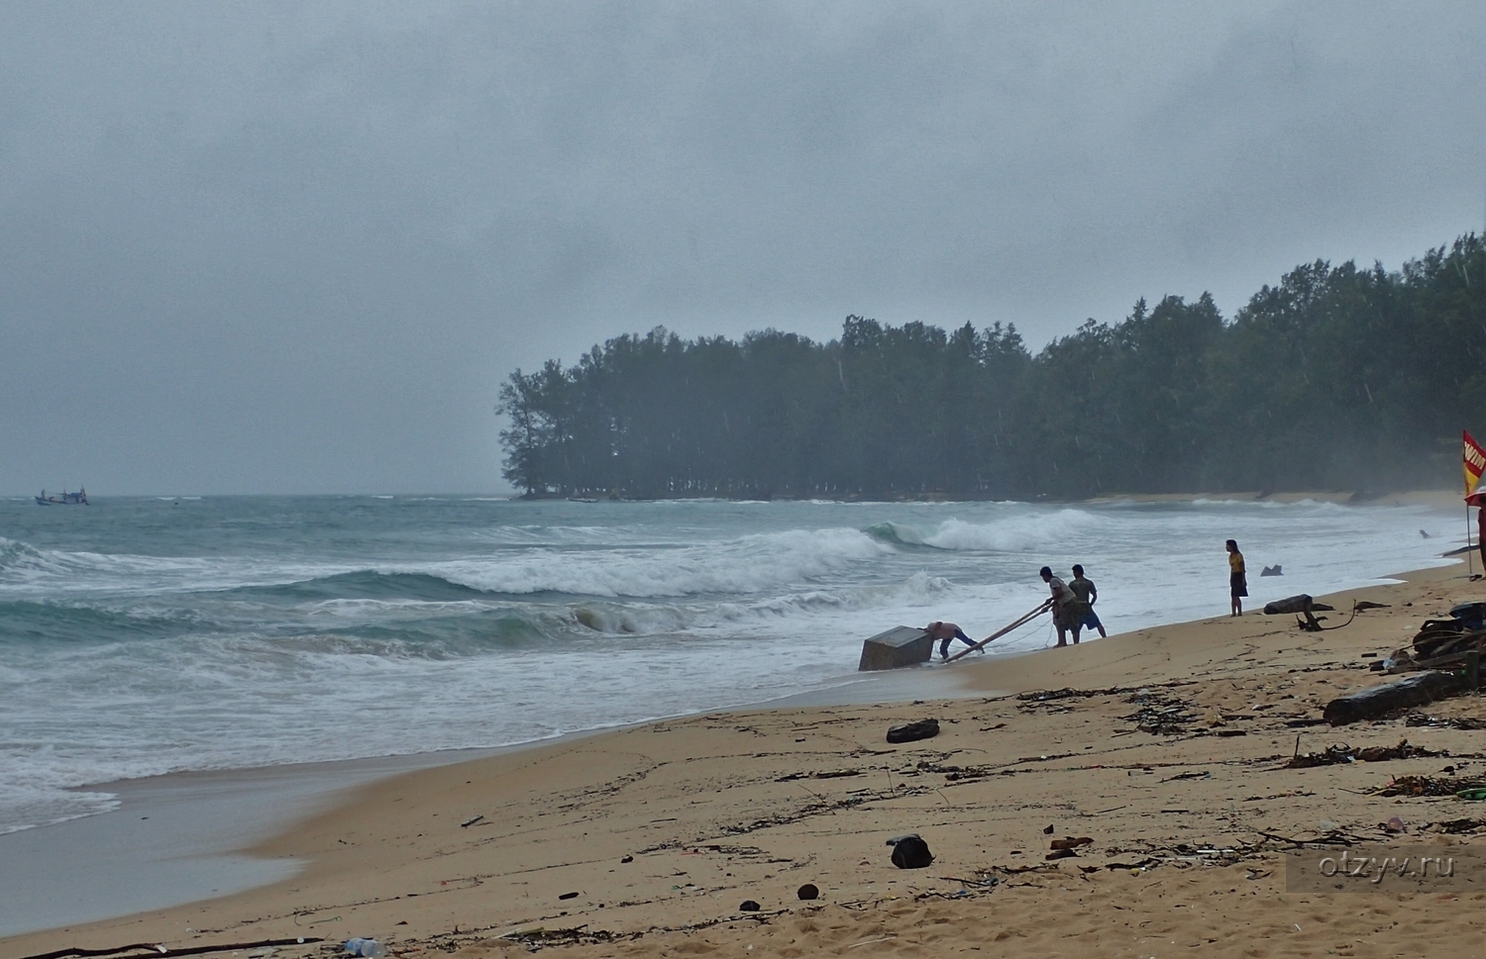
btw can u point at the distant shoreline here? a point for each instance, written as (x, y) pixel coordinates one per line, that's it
(1421, 497)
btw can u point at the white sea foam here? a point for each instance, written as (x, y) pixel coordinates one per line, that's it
(376, 648)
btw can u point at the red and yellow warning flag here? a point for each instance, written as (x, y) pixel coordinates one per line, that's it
(1475, 463)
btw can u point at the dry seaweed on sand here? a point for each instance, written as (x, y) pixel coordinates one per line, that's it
(1428, 786)
(1443, 722)
(1346, 754)
(1160, 714)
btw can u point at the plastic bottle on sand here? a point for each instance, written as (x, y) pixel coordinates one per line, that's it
(365, 947)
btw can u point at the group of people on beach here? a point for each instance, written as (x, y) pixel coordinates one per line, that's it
(1073, 603)
(1072, 606)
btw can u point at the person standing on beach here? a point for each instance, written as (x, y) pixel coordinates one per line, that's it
(1238, 584)
(1085, 590)
(946, 633)
(1067, 607)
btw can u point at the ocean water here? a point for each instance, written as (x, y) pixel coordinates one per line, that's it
(149, 635)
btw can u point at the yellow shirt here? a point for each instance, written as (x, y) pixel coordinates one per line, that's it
(1235, 561)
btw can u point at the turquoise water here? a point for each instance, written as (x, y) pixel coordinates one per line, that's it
(142, 636)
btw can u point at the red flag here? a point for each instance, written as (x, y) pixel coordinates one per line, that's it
(1475, 463)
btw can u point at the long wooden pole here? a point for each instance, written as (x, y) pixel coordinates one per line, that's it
(1047, 604)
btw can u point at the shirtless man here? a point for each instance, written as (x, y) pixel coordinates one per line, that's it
(947, 632)
(1084, 589)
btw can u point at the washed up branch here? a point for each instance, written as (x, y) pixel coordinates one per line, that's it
(152, 948)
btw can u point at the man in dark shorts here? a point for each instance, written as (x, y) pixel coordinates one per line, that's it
(1085, 590)
(947, 632)
(1238, 583)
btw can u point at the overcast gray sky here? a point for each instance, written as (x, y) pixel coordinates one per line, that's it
(297, 247)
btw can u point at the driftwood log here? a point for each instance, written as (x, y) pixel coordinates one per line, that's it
(1375, 701)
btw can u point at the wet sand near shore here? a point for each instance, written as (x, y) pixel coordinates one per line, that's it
(1165, 747)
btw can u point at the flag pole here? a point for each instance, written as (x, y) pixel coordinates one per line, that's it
(1470, 563)
(1475, 466)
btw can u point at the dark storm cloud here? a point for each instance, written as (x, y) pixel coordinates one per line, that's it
(297, 247)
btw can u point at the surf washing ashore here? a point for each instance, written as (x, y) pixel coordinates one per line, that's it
(259, 632)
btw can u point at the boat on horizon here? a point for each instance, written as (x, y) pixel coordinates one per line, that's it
(80, 498)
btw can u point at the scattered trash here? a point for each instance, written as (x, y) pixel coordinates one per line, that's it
(1070, 842)
(1459, 825)
(568, 895)
(1432, 786)
(748, 905)
(627, 859)
(1440, 722)
(1475, 794)
(1394, 825)
(470, 822)
(1160, 715)
(1048, 831)
(1060, 854)
(808, 892)
(1346, 754)
(911, 732)
(911, 852)
(364, 947)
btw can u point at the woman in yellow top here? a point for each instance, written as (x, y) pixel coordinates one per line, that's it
(1237, 582)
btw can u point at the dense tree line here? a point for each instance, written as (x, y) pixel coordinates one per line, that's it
(1335, 378)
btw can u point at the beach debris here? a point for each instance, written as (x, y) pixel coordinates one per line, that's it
(1160, 714)
(820, 774)
(1346, 754)
(1445, 642)
(157, 949)
(1299, 603)
(470, 822)
(911, 732)
(1375, 701)
(1443, 722)
(748, 905)
(807, 892)
(1474, 793)
(1394, 825)
(1048, 831)
(624, 859)
(361, 946)
(1274, 570)
(1069, 842)
(911, 852)
(1060, 854)
(1133, 868)
(1459, 825)
(1365, 604)
(1430, 786)
(568, 895)
(898, 647)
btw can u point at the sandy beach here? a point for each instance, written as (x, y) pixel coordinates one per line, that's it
(1166, 748)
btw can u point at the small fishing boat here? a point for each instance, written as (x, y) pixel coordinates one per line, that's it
(80, 498)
